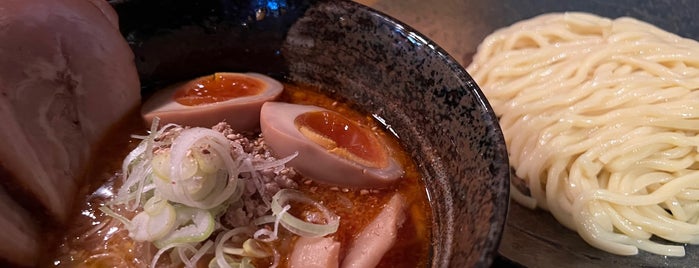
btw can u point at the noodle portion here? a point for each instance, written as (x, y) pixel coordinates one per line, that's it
(601, 120)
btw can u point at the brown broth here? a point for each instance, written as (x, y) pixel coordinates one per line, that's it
(96, 240)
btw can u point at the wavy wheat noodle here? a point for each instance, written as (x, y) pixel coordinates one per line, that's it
(601, 119)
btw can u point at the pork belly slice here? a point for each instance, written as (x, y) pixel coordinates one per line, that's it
(377, 237)
(66, 75)
(315, 252)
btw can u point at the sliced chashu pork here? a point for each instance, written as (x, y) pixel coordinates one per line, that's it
(66, 75)
(377, 237)
(366, 250)
(315, 252)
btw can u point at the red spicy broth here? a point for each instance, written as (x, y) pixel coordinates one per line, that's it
(96, 240)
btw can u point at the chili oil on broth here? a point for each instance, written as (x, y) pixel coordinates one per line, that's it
(94, 239)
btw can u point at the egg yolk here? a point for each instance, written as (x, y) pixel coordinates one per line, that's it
(218, 88)
(343, 137)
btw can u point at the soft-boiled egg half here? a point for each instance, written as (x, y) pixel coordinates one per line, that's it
(331, 148)
(235, 98)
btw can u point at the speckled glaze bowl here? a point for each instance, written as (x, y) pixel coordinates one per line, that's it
(366, 58)
(534, 238)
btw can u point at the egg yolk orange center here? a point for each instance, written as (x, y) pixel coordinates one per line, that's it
(343, 137)
(218, 88)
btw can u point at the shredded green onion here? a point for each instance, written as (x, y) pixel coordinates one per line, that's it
(188, 178)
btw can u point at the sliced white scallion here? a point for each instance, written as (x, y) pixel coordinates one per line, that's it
(197, 254)
(137, 166)
(199, 227)
(154, 222)
(111, 213)
(299, 226)
(190, 188)
(266, 235)
(190, 176)
(161, 165)
(208, 161)
(187, 139)
(201, 186)
(253, 248)
(234, 251)
(148, 225)
(179, 250)
(156, 257)
(221, 259)
(131, 191)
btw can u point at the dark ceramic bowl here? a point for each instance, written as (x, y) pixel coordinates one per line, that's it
(354, 53)
(534, 238)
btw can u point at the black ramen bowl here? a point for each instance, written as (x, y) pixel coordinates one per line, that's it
(355, 54)
(534, 238)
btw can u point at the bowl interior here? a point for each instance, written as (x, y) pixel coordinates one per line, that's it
(361, 56)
